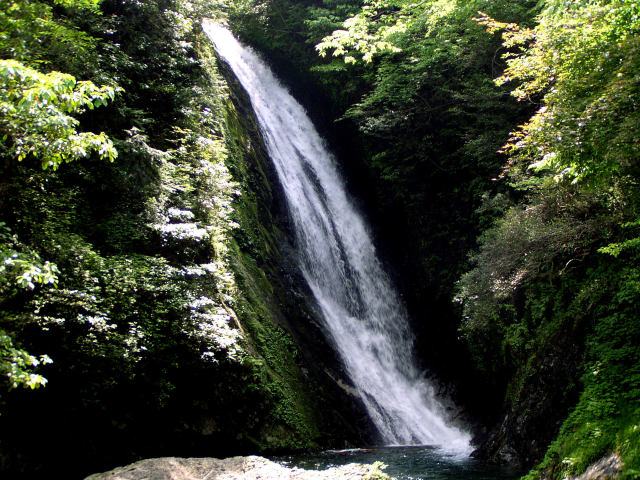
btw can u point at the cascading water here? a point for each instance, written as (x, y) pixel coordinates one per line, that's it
(362, 311)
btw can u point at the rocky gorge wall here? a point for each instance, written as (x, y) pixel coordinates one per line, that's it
(266, 268)
(178, 325)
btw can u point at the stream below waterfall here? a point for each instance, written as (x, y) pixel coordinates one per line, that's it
(405, 463)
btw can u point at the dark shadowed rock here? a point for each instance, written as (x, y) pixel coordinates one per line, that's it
(533, 418)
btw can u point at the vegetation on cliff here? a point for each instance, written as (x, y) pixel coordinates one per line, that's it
(562, 261)
(509, 165)
(137, 282)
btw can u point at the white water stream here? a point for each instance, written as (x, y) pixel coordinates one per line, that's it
(361, 309)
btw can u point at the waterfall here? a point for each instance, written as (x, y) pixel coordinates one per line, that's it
(360, 307)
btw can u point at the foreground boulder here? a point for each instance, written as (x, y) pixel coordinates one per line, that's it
(235, 468)
(607, 468)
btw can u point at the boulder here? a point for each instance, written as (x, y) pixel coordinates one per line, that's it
(234, 468)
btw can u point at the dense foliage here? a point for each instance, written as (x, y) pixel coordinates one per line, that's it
(565, 253)
(36, 123)
(128, 287)
(534, 197)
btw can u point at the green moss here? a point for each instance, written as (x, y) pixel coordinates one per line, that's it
(274, 357)
(164, 327)
(376, 473)
(606, 417)
(277, 372)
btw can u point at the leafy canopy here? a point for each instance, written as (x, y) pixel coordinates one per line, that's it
(30, 33)
(35, 116)
(370, 31)
(36, 121)
(576, 156)
(582, 58)
(380, 24)
(20, 269)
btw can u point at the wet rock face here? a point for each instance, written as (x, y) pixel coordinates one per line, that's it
(235, 468)
(608, 468)
(538, 408)
(344, 420)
